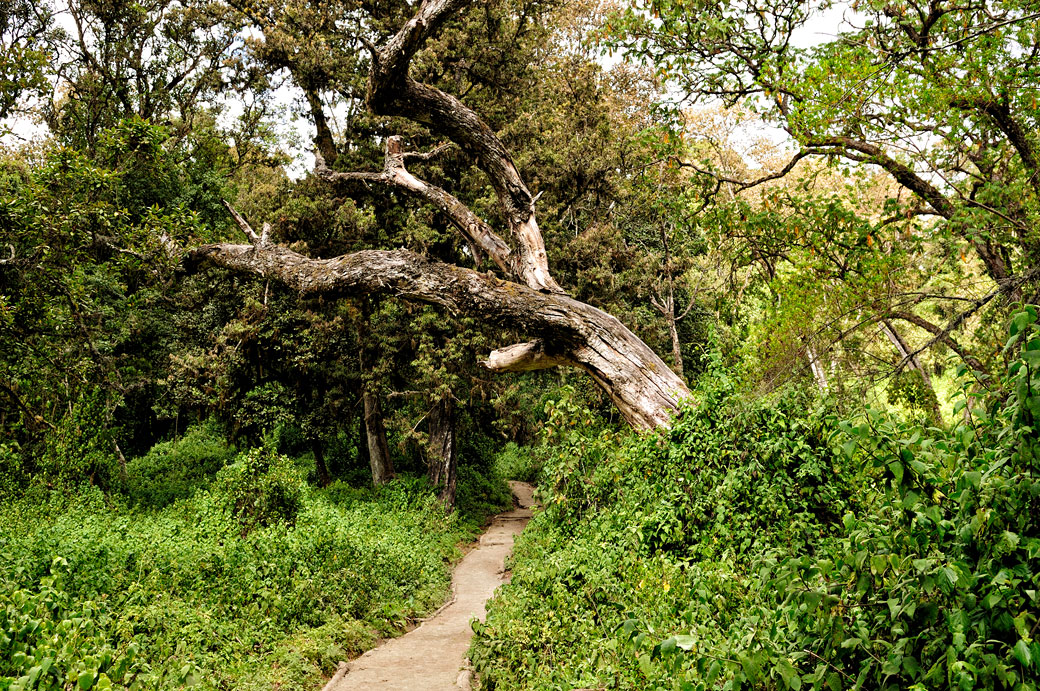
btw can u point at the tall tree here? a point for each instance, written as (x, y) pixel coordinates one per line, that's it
(568, 332)
(938, 95)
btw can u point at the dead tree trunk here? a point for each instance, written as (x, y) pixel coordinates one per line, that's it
(565, 331)
(818, 371)
(443, 450)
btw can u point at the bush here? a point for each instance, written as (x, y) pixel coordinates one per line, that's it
(79, 447)
(261, 488)
(772, 546)
(191, 599)
(173, 470)
(12, 473)
(514, 462)
(479, 496)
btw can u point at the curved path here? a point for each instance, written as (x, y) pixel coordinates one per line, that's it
(432, 656)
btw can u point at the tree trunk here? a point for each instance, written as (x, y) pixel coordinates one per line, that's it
(673, 331)
(819, 373)
(323, 139)
(378, 450)
(443, 450)
(318, 448)
(375, 432)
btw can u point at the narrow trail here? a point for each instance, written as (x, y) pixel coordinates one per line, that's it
(432, 656)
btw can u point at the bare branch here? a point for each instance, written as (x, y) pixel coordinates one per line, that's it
(1005, 287)
(745, 185)
(392, 92)
(472, 227)
(244, 225)
(429, 155)
(943, 337)
(524, 357)
(903, 174)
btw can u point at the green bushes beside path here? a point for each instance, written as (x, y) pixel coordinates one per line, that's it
(254, 581)
(773, 546)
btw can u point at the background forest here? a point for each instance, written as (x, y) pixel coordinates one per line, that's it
(822, 216)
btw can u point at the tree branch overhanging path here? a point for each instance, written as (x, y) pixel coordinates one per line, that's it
(527, 298)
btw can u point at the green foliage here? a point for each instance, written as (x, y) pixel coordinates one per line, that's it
(772, 546)
(480, 495)
(514, 462)
(908, 389)
(50, 641)
(98, 594)
(261, 488)
(79, 448)
(175, 469)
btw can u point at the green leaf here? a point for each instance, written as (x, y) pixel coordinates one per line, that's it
(713, 672)
(1022, 654)
(685, 641)
(789, 674)
(644, 665)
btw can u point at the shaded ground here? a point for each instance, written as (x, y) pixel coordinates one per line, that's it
(432, 656)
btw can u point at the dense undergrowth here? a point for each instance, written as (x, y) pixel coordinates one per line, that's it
(771, 545)
(218, 570)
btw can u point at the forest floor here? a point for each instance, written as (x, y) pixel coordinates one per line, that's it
(433, 656)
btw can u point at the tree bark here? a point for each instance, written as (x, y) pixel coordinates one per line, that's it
(379, 459)
(378, 450)
(819, 373)
(318, 448)
(443, 450)
(323, 138)
(645, 390)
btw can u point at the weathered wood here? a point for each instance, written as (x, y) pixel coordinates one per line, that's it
(392, 92)
(524, 357)
(472, 227)
(443, 450)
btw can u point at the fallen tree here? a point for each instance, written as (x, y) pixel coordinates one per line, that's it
(526, 299)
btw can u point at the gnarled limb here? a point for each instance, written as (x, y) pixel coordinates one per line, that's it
(472, 227)
(524, 357)
(392, 92)
(640, 384)
(643, 387)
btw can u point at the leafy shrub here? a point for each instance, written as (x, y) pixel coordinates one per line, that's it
(771, 546)
(49, 641)
(12, 472)
(261, 488)
(199, 602)
(514, 462)
(79, 447)
(173, 470)
(480, 496)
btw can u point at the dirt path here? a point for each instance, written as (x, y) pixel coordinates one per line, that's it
(432, 657)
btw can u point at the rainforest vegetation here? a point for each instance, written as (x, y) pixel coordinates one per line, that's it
(747, 288)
